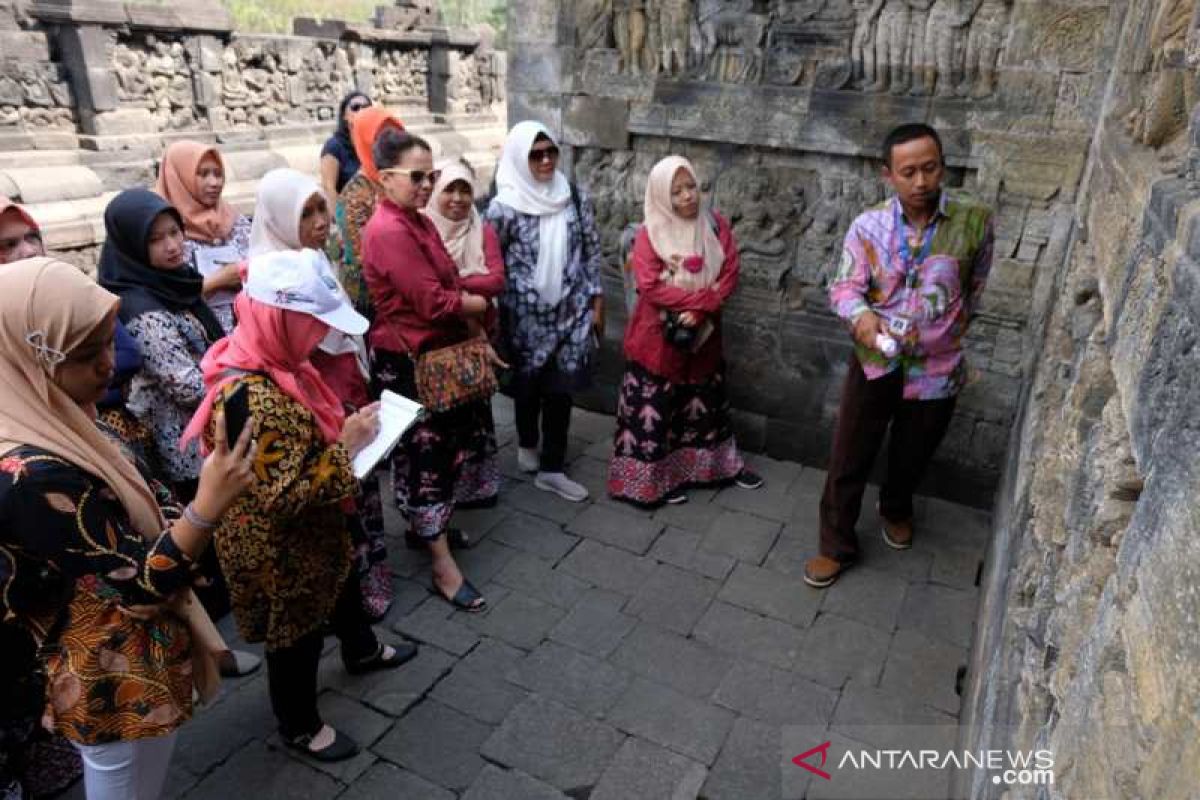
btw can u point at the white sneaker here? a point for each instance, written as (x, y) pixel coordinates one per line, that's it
(528, 459)
(562, 486)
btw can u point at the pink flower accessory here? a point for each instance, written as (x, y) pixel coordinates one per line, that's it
(693, 264)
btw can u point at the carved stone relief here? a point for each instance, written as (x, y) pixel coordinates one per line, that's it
(153, 72)
(1170, 88)
(34, 94)
(401, 76)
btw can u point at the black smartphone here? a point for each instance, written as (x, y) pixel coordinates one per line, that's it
(237, 413)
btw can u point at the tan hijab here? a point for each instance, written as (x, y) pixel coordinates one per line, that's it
(178, 185)
(674, 238)
(47, 309)
(464, 240)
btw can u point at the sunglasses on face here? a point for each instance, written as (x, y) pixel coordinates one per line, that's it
(358, 106)
(417, 176)
(544, 154)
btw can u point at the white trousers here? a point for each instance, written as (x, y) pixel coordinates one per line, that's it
(133, 770)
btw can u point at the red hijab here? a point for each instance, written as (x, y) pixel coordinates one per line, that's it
(277, 342)
(365, 130)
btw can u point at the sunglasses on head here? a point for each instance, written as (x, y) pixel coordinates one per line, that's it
(358, 105)
(417, 176)
(544, 153)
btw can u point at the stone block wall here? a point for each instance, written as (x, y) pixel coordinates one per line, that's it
(783, 105)
(1087, 638)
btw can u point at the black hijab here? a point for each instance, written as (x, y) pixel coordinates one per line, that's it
(343, 127)
(125, 264)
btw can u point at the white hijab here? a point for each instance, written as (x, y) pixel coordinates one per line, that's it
(464, 239)
(282, 194)
(519, 190)
(676, 239)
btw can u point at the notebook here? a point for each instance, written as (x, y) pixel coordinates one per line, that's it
(396, 415)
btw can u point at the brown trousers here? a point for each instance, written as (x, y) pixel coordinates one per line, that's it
(866, 410)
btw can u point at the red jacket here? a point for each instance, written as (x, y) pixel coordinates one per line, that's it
(492, 284)
(413, 282)
(644, 342)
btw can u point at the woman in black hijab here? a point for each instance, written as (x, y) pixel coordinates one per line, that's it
(339, 162)
(144, 262)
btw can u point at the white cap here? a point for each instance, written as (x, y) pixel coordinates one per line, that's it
(303, 280)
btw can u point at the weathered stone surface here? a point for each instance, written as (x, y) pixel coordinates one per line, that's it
(258, 771)
(437, 743)
(536, 577)
(837, 649)
(775, 696)
(870, 596)
(477, 686)
(594, 627)
(741, 536)
(673, 599)
(616, 527)
(682, 548)
(748, 765)
(681, 723)
(510, 784)
(740, 632)
(672, 660)
(518, 619)
(534, 535)
(584, 683)
(772, 594)
(385, 782)
(608, 567)
(642, 769)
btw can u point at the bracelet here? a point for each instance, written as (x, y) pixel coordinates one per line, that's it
(198, 521)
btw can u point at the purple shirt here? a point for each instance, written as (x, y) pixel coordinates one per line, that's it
(927, 292)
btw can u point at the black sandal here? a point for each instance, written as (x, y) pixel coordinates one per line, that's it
(467, 598)
(456, 537)
(341, 748)
(401, 654)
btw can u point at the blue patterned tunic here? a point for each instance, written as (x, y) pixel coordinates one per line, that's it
(549, 347)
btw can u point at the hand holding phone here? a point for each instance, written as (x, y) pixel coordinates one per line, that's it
(237, 412)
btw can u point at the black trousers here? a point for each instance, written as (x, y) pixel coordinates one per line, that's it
(866, 411)
(292, 671)
(554, 409)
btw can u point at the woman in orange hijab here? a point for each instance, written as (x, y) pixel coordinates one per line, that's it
(356, 203)
(217, 238)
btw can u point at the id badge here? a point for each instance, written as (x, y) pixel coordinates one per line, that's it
(900, 325)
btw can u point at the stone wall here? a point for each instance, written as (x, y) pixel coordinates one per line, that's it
(92, 90)
(783, 105)
(1087, 639)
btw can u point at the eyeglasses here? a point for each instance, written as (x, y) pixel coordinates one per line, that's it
(417, 176)
(357, 106)
(544, 154)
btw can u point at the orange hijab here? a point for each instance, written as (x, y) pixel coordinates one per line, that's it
(177, 184)
(364, 132)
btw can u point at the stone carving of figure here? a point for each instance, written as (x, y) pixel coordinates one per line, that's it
(675, 26)
(891, 48)
(234, 92)
(989, 22)
(862, 45)
(131, 78)
(33, 86)
(1162, 111)
(593, 21)
(732, 41)
(917, 57)
(629, 27)
(652, 46)
(936, 69)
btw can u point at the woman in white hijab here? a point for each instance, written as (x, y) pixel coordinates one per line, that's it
(292, 213)
(552, 307)
(673, 424)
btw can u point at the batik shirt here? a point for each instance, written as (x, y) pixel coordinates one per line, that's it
(926, 287)
(537, 336)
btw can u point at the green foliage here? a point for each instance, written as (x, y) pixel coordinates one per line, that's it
(275, 16)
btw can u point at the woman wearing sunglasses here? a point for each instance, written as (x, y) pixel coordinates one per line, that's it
(552, 308)
(421, 305)
(339, 162)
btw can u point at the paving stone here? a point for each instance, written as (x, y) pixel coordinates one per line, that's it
(687, 665)
(431, 623)
(257, 771)
(178, 783)
(601, 450)
(409, 595)
(535, 577)
(518, 619)
(748, 766)
(616, 527)
(923, 668)
(219, 730)
(510, 784)
(528, 498)
(484, 561)
(694, 515)
(874, 553)
(554, 743)
(790, 551)
(771, 502)
(592, 427)
(956, 566)
(667, 717)
(959, 523)
(776, 696)
(740, 535)
(940, 612)
(438, 743)
(673, 599)
(480, 522)
(386, 781)
(357, 721)
(862, 706)
(837, 649)
(772, 594)
(534, 535)
(570, 677)
(742, 633)
(871, 596)
(477, 687)
(595, 628)
(855, 784)
(645, 770)
(608, 567)
(391, 691)
(682, 548)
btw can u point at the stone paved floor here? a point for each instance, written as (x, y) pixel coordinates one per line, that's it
(626, 655)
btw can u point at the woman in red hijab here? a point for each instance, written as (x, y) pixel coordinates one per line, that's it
(284, 546)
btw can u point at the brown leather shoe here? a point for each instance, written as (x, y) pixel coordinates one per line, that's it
(897, 535)
(821, 571)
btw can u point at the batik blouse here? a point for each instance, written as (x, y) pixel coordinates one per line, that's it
(238, 245)
(355, 205)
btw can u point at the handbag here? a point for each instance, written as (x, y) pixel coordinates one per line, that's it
(453, 376)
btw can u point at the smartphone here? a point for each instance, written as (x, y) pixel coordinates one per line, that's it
(237, 412)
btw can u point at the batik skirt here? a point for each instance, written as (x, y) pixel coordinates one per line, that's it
(670, 436)
(446, 458)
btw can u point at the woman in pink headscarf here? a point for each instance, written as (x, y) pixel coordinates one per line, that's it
(673, 423)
